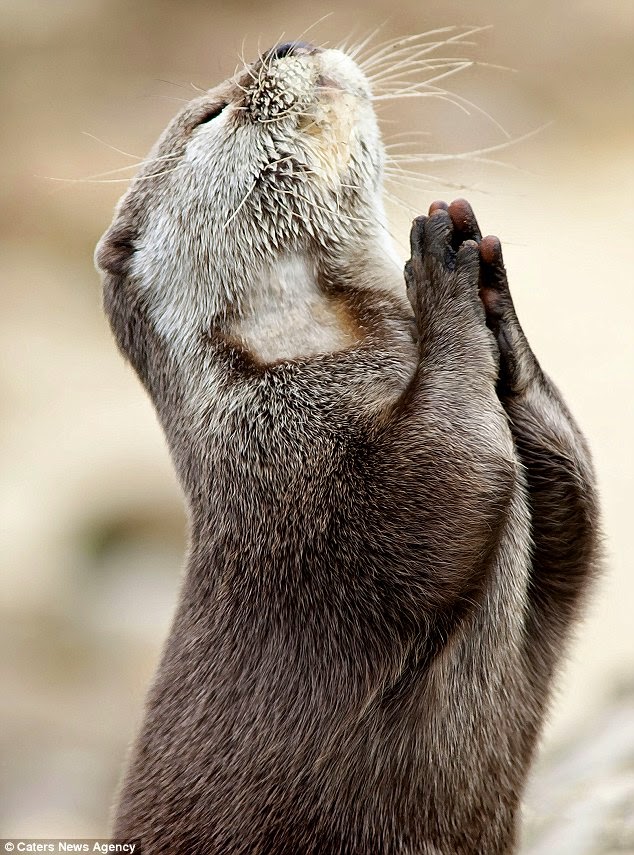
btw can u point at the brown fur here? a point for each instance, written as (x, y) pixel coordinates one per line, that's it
(387, 548)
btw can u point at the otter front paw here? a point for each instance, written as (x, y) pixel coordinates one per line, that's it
(442, 282)
(517, 365)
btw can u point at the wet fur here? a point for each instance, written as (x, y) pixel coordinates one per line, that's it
(388, 541)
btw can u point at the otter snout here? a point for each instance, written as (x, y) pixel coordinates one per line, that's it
(281, 83)
(292, 77)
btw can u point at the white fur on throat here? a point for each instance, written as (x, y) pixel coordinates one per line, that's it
(290, 317)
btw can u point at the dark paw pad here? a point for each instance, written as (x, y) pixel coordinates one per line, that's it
(464, 222)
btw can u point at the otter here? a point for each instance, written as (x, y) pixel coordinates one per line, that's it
(393, 519)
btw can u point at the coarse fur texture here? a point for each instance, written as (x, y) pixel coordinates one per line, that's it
(390, 534)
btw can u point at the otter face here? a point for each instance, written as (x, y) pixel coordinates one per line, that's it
(283, 160)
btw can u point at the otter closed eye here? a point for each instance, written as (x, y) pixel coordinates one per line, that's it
(390, 534)
(212, 114)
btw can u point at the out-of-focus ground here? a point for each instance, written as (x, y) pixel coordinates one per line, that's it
(92, 532)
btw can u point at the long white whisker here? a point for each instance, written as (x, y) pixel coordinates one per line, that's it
(360, 47)
(317, 207)
(166, 97)
(408, 177)
(111, 180)
(400, 203)
(111, 147)
(439, 96)
(408, 134)
(247, 66)
(424, 49)
(416, 87)
(393, 44)
(458, 100)
(239, 208)
(130, 166)
(170, 82)
(393, 76)
(313, 25)
(474, 153)
(283, 115)
(416, 53)
(407, 67)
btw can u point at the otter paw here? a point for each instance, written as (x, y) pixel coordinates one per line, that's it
(516, 360)
(517, 365)
(492, 283)
(442, 273)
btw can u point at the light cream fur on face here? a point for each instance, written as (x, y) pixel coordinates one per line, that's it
(283, 184)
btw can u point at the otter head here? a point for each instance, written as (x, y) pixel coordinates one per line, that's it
(284, 159)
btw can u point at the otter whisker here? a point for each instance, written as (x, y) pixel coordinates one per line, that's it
(439, 96)
(237, 210)
(458, 100)
(401, 203)
(312, 27)
(291, 111)
(129, 166)
(407, 177)
(191, 84)
(114, 180)
(486, 161)
(271, 54)
(409, 133)
(416, 87)
(170, 82)
(112, 147)
(457, 39)
(291, 157)
(409, 59)
(393, 63)
(418, 53)
(247, 66)
(395, 41)
(167, 97)
(408, 76)
(389, 50)
(405, 73)
(312, 204)
(475, 62)
(400, 145)
(410, 209)
(408, 68)
(137, 166)
(474, 153)
(424, 84)
(398, 42)
(361, 46)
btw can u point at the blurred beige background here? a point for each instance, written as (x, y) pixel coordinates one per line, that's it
(92, 532)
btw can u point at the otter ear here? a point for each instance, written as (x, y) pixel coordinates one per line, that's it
(115, 249)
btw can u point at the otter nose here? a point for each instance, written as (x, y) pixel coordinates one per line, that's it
(292, 49)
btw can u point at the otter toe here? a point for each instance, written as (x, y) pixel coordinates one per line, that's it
(493, 281)
(416, 237)
(438, 235)
(491, 250)
(464, 222)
